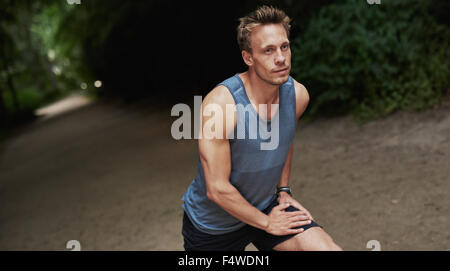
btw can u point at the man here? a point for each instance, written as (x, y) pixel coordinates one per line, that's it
(241, 193)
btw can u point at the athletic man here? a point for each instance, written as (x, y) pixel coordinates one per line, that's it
(241, 193)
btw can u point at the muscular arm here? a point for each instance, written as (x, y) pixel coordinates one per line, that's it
(302, 100)
(215, 157)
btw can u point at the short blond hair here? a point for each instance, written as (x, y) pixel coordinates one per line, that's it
(261, 16)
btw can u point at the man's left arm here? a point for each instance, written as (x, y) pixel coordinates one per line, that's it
(302, 100)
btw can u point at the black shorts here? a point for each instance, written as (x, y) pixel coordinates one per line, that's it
(236, 240)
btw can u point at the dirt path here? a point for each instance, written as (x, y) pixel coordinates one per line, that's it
(113, 177)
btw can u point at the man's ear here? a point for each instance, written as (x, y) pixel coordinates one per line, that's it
(248, 59)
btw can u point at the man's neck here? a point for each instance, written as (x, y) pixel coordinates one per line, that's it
(259, 91)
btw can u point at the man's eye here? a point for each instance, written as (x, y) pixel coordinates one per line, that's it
(284, 47)
(268, 50)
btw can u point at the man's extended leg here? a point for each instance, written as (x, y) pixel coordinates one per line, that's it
(313, 239)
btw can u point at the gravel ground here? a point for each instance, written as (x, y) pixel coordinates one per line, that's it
(112, 178)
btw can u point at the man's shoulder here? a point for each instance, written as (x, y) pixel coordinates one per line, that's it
(300, 89)
(301, 97)
(219, 100)
(219, 95)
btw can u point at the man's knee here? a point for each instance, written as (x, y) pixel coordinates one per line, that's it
(322, 242)
(326, 245)
(313, 239)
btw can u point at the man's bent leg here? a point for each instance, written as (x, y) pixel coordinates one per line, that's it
(265, 241)
(196, 240)
(313, 239)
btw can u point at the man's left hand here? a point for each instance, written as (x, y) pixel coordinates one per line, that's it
(284, 197)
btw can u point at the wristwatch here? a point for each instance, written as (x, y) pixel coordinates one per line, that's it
(286, 189)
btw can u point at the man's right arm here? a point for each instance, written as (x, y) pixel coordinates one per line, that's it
(215, 156)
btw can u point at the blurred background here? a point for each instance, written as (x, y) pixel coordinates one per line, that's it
(86, 89)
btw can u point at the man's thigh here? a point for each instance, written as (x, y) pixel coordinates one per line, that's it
(313, 239)
(197, 240)
(265, 241)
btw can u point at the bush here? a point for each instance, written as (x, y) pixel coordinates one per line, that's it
(371, 60)
(28, 99)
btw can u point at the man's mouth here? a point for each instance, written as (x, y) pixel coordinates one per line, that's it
(282, 70)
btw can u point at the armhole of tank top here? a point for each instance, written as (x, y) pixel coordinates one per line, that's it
(235, 103)
(295, 100)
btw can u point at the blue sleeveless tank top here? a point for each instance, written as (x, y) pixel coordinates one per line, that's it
(254, 172)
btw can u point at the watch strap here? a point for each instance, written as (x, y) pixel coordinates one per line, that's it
(286, 189)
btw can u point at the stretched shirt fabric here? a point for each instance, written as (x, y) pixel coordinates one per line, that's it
(255, 172)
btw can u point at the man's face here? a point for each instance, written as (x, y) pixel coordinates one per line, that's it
(271, 53)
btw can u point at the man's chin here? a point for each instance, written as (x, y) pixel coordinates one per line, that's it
(280, 80)
(274, 79)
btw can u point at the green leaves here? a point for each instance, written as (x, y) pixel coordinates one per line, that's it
(371, 60)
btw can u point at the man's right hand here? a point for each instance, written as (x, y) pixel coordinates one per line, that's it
(282, 222)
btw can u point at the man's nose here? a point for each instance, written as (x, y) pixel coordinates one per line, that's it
(279, 58)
